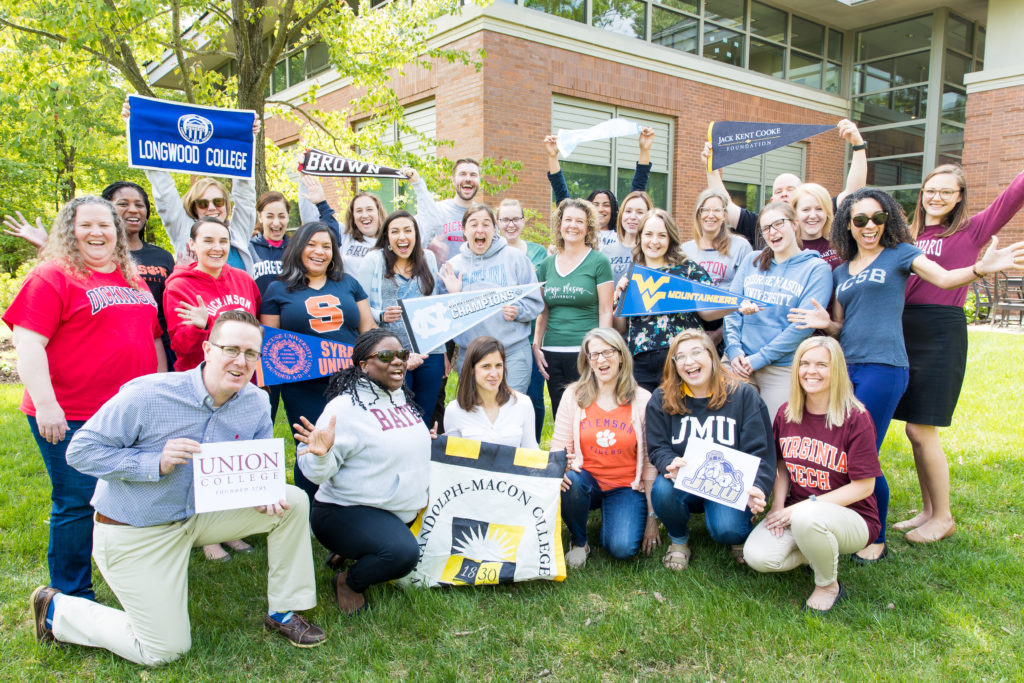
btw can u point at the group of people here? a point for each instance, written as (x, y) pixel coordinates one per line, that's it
(862, 321)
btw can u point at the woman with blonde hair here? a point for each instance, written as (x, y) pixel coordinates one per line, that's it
(823, 503)
(601, 427)
(813, 207)
(577, 293)
(627, 227)
(700, 397)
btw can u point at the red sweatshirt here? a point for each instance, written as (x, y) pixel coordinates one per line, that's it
(232, 290)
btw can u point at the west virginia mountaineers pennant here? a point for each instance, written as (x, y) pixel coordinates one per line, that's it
(293, 357)
(652, 292)
(492, 516)
(171, 136)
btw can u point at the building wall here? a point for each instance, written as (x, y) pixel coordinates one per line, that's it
(504, 111)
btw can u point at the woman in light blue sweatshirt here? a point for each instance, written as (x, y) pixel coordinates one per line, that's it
(782, 275)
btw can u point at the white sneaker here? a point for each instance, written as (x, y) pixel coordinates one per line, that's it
(577, 556)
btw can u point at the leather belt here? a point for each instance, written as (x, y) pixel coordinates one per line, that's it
(103, 519)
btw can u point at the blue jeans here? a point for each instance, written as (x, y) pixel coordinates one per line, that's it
(879, 387)
(673, 507)
(70, 553)
(425, 384)
(536, 394)
(623, 514)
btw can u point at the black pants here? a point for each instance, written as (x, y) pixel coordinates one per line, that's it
(379, 542)
(648, 368)
(562, 372)
(304, 399)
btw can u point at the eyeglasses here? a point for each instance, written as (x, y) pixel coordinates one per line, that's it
(508, 221)
(205, 203)
(777, 225)
(682, 356)
(861, 219)
(714, 212)
(945, 193)
(598, 355)
(387, 356)
(251, 356)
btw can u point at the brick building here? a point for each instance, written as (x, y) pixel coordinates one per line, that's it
(927, 83)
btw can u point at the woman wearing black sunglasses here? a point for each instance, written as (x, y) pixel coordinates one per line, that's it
(372, 470)
(871, 235)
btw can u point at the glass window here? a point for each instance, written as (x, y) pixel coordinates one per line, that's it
(767, 58)
(297, 67)
(981, 43)
(317, 58)
(889, 73)
(729, 13)
(833, 77)
(835, 45)
(691, 7)
(804, 69)
(907, 35)
(674, 30)
(626, 17)
(568, 9)
(959, 34)
(723, 45)
(895, 172)
(279, 77)
(894, 141)
(768, 22)
(954, 104)
(808, 36)
(582, 179)
(657, 186)
(955, 68)
(891, 106)
(907, 199)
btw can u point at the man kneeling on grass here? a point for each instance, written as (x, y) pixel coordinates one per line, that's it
(140, 445)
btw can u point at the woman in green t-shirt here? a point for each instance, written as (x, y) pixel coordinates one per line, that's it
(577, 295)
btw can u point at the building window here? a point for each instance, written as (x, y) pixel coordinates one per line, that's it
(609, 164)
(395, 194)
(299, 65)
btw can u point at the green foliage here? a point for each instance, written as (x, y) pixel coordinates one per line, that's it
(11, 284)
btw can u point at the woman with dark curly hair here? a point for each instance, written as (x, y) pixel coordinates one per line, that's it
(373, 472)
(84, 323)
(871, 234)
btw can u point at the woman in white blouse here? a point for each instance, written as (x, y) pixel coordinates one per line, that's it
(486, 408)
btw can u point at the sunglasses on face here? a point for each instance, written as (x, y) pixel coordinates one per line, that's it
(205, 203)
(861, 219)
(387, 356)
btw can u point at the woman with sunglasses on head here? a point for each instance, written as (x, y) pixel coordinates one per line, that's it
(206, 198)
(783, 275)
(606, 206)
(600, 424)
(823, 503)
(935, 331)
(649, 336)
(700, 397)
(194, 296)
(871, 235)
(370, 454)
(400, 268)
(314, 296)
(578, 290)
(364, 219)
(486, 407)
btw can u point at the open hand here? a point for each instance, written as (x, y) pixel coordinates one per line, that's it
(318, 441)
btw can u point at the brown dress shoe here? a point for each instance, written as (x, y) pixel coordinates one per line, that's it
(297, 630)
(349, 601)
(40, 603)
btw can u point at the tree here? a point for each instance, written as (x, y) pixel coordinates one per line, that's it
(224, 53)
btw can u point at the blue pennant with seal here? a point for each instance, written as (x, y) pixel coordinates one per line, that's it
(293, 357)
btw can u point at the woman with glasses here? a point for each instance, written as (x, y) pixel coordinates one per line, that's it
(782, 275)
(935, 331)
(370, 455)
(700, 397)
(871, 235)
(314, 295)
(206, 198)
(195, 294)
(600, 424)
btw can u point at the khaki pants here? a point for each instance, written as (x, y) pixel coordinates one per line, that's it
(773, 383)
(818, 532)
(147, 568)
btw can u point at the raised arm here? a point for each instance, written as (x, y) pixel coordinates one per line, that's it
(555, 176)
(857, 177)
(715, 182)
(993, 261)
(643, 162)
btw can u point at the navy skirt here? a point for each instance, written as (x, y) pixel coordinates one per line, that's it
(936, 339)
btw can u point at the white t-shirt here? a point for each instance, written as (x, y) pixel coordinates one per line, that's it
(514, 426)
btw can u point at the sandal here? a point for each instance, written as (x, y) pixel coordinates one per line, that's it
(214, 553)
(737, 553)
(677, 557)
(577, 556)
(240, 546)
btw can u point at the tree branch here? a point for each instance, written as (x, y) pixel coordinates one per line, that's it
(179, 54)
(306, 115)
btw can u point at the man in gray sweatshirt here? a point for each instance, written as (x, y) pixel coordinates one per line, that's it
(485, 261)
(441, 221)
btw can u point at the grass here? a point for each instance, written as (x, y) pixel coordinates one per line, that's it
(947, 611)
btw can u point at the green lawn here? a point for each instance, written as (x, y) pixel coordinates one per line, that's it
(947, 611)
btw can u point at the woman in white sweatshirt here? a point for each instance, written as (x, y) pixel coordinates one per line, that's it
(372, 470)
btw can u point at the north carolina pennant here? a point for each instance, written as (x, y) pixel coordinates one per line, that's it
(653, 292)
(318, 163)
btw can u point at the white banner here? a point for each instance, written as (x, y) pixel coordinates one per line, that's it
(568, 140)
(229, 475)
(717, 473)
